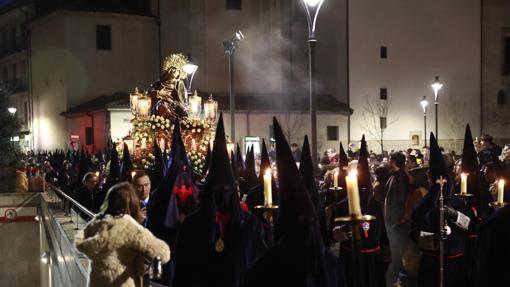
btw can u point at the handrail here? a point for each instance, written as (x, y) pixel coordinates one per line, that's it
(74, 202)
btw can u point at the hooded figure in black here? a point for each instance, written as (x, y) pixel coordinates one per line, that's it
(371, 231)
(159, 170)
(127, 165)
(256, 194)
(250, 176)
(425, 224)
(494, 250)
(218, 242)
(173, 199)
(299, 257)
(112, 178)
(239, 167)
(477, 205)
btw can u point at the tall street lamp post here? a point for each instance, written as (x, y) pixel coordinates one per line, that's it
(436, 86)
(312, 8)
(230, 46)
(424, 103)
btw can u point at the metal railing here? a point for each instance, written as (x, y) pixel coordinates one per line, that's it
(63, 197)
(153, 266)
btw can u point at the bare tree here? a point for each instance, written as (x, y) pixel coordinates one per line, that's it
(375, 118)
(291, 123)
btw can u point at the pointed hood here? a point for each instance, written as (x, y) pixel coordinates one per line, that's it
(250, 175)
(437, 167)
(233, 163)
(215, 198)
(363, 167)
(296, 209)
(265, 162)
(239, 162)
(114, 173)
(127, 165)
(159, 170)
(178, 150)
(307, 174)
(343, 159)
(469, 156)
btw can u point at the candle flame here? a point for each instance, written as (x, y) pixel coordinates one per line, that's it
(268, 171)
(464, 174)
(501, 182)
(353, 173)
(133, 174)
(97, 173)
(336, 172)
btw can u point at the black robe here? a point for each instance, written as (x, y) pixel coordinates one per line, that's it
(426, 218)
(285, 265)
(197, 264)
(494, 250)
(370, 244)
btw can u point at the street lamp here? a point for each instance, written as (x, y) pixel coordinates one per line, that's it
(312, 8)
(436, 86)
(424, 103)
(230, 46)
(12, 110)
(190, 70)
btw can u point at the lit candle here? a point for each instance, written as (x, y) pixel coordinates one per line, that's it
(463, 183)
(97, 173)
(144, 143)
(353, 193)
(501, 190)
(335, 179)
(268, 196)
(133, 174)
(193, 144)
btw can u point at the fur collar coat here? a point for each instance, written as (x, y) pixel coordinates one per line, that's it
(116, 247)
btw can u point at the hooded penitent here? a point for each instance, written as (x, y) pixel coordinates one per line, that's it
(112, 178)
(306, 171)
(297, 229)
(239, 171)
(471, 166)
(127, 165)
(218, 242)
(363, 167)
(250, 176)
(256, 194)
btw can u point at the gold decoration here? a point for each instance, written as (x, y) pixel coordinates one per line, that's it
(177, 61)
(219, 245)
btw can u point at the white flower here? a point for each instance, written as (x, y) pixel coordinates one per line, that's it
(193, 130)
(153, 126)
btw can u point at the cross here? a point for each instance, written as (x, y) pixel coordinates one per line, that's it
(441, 181)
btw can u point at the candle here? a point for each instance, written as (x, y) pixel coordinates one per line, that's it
(97, 173)
(501, 190)
(144, 143)
(353, 193)
(193, 144)
(133, 174)
(335, 179)
(463, 183)
(268, 196)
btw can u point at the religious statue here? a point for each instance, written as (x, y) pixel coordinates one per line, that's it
(169, 95)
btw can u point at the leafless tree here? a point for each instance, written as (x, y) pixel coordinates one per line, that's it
(291, 124)
(375, 118)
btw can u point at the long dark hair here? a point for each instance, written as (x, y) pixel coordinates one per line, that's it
(122, 199)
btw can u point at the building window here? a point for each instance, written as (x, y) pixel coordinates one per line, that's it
(382, 122)
(103, 37)
(383, 94)
(233, 4)
(332, 133)
(384, 52)
(501, 97)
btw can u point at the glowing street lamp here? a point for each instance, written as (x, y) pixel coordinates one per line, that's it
(424, 103)
(436, 86)
(230, 46)
(312, 8)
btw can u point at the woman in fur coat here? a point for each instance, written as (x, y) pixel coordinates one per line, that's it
(116, 243)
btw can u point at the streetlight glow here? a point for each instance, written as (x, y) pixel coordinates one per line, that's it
(312, 3)
(12, 110)
(424, 103)
(436, 86)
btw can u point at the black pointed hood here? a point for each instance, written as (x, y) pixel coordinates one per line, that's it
(363, 167)
(127, 165)
(159, 169)
(343, 160)
(437, 167)
(239, 169)
(233, 163)
(178, 150)
(469, 156)
(114, 173)
(215, 198)
(307, 174)
(296, 209)
(250, 175)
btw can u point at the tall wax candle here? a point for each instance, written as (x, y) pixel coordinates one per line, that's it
(463, 183)
(335, 179)
(501, 190)
(353, 194)
(268, 196)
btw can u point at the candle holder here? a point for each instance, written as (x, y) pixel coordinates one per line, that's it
(464, 196)
(268, 214)
(356, 222)
(497, 205)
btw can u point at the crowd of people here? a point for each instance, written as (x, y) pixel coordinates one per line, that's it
(217, 234)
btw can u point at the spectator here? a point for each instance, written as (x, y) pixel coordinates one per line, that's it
(85, 194)
(296, 152)
(21, 178)
(116, 243)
